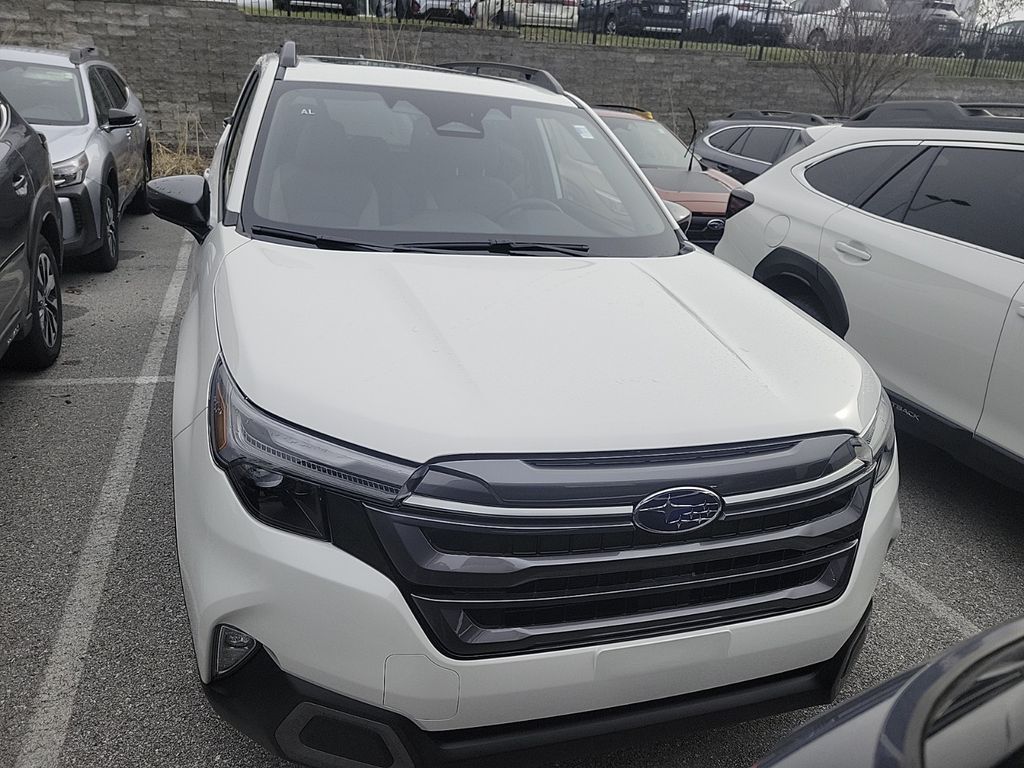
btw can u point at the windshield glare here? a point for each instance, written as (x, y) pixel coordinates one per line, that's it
(650, 143)
(43, 94)
(394, 166)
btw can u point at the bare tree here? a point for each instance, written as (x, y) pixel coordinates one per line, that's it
(862, 57)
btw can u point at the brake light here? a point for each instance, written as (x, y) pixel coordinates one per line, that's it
(739, 200)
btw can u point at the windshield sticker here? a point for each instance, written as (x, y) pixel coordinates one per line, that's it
(583, 131)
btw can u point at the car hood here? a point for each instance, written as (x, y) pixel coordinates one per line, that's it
(423, 355)
(64, 141)
(703, 192)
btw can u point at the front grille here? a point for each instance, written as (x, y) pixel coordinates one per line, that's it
(700, 233)
(489, 580)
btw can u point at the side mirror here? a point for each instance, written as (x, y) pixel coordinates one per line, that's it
(121, 118)
(680, 213)
(182, 200)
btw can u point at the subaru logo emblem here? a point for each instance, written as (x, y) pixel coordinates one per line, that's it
(716, 225)
(677, 510)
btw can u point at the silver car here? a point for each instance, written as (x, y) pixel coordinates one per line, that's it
(98, 138)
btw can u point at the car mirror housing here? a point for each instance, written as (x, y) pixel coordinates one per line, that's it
(121, 118)
(182, 200)
(680, 213)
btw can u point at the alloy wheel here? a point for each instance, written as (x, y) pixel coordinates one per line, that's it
(47, 299)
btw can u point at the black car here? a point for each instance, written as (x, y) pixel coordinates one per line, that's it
(963, 709)
(744, 144)
(31, 313)
(1004, 41)
(652, 18)
(598, 16)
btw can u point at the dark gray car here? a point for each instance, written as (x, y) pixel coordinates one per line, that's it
(31, 314)
(745, 144)
(98, 137)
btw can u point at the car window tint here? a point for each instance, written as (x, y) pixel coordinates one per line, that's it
(848, 175)
(974, 195)
(765, 144)
(101, 99)
(893, 198)
(115, 87)
(724, 140)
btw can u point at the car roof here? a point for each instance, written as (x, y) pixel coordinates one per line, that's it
(35, 55)
(325, 69)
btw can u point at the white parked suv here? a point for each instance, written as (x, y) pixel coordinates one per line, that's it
(474, 453)
(901, 230)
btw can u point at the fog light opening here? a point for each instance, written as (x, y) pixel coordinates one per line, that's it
(233, 648)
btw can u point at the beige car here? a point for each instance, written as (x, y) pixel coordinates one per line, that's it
(548, 13)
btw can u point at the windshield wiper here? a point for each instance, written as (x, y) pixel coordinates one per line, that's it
(506, 247)
(321, 241)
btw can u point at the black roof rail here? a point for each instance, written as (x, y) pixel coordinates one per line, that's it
(805, 118)
(937, 113)
(538, 77)
(84, 53)
(623, 108)
(286, 58)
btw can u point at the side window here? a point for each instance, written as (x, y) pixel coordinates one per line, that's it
(724, 140)
(849, 175)
(238, 123)
(765, 144)
(974, 195)
(115, 87)
(893, 198)
(101, 99)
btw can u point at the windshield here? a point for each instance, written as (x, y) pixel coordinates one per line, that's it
(392, 166)
(651, 144)
(43, 94)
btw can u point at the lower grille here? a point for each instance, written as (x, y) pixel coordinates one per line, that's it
(518, 583)
(76, 212)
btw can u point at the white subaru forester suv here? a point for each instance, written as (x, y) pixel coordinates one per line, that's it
(474, 453)
(903, 231)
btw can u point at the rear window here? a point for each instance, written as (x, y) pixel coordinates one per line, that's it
(43, 94)
(724, 140)
(849, 175)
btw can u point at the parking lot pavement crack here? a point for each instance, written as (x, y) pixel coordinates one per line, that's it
(55, 699)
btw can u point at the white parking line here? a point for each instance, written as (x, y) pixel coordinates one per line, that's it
(930, 600)
(89, 381)
(56, 696)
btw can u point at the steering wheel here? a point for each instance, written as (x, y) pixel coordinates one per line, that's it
(529, 204)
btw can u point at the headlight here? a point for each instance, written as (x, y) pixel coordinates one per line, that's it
(880, 439)
(281, 473)
(68, 172)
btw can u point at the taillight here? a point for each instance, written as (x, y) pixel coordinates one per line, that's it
(739, 199)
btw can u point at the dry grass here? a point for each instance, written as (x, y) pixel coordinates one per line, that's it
(184, 153)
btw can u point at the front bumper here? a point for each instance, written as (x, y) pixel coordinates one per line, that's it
(314, 726)
(79, 210)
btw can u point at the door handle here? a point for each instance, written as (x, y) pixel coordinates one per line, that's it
(853, 250)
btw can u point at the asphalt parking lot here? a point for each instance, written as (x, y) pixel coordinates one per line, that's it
(96, 665)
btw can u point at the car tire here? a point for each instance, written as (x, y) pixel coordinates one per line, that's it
(140, 202)
(41, 347)
(806, 302)
(817, 40)
(105, 258)
(610, 25)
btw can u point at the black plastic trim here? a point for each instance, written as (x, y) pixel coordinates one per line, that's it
(787, 263)
(532, 75)
(260, 697)
(936, 113)
(973, 450)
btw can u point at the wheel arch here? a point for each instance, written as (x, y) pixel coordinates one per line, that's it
(49, 230)
(784, 266)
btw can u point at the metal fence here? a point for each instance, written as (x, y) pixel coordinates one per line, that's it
(928, 33)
